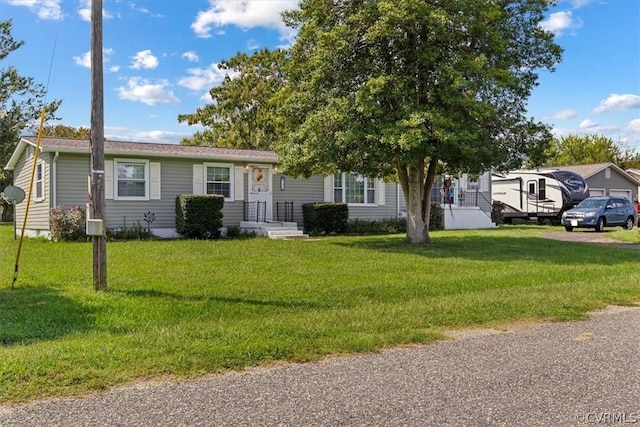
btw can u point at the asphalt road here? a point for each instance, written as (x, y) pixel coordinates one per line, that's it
(555, 374)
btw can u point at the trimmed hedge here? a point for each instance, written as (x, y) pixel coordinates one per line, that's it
(325, 218)
(199, 216)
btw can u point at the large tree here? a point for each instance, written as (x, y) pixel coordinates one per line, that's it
(589, 149)
(64, 131)
(399, 88)
(241, 115)
(21, 101)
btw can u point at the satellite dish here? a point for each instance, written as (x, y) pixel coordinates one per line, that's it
(14, 194)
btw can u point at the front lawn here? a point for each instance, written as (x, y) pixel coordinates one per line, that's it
(185, 308)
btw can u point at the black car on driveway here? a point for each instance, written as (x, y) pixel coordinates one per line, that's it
(600, 212)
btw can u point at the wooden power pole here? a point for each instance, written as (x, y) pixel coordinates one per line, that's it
(97, 149)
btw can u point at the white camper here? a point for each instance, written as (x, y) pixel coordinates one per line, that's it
(538, 195)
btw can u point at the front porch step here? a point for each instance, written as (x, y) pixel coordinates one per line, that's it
(284, 234)
(274, 230)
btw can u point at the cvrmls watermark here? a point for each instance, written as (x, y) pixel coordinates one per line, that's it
(609, 418)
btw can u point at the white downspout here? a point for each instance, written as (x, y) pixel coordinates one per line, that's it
(54, 180)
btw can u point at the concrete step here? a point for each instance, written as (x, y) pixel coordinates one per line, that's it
(284, 233)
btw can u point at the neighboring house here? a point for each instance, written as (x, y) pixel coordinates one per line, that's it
(142, 178)
(607, 179)
(635, 173)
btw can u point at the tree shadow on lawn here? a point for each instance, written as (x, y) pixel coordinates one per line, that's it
(151, 293)
(37, 313)
(501, 248)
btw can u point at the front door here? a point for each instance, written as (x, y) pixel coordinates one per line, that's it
(260, 193)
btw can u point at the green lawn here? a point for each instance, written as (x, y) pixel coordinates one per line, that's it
(186, 308)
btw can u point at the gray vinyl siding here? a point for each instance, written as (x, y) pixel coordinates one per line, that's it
(72, 182)
(373, 212)
(298, 191)
(616, 182)
(38, 210)
(176, 178)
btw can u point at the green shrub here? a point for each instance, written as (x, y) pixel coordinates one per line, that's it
(325, 218)
(436, 217)
(135, 232)
(199, 216)
(67, 225)
(497, 212)
(382, 226)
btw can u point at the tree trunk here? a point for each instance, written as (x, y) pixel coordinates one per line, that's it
(417, 194)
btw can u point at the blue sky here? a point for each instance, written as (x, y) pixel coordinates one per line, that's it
(161, 56)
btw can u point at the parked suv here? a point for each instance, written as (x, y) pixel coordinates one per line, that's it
(600, 212)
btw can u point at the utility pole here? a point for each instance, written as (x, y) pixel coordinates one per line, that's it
(97, 148)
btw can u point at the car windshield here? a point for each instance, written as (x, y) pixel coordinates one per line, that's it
(591, 204)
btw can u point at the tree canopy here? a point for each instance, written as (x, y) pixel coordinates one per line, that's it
(398, 88)
(21, 101)
(241, 114)
(64, 131)
(589, 149)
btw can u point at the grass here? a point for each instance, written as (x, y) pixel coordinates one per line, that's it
(181, 309)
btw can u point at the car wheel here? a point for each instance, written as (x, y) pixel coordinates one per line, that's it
(600, 225)
(628, 225)
(568, 228)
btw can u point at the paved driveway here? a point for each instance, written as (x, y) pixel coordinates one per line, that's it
(556, 374)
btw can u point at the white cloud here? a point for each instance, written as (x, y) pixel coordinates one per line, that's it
(565, 114)
(618, 102)
(141, 90)
(85, 11)
(577, 4)
(253, 44)
(191, 56)
(44, 9)
(559, 22)
(244, 14)
(144, 59)
(588, 124)
(203, 78)
(119, 133)
(634, 126)
(85, 59)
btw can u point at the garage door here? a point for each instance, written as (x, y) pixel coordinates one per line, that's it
(595, 192)
(621, 193)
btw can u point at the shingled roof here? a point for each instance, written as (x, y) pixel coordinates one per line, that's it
(587, 171)
(124, 148)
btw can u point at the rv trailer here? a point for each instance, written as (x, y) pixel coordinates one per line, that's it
(538, 195)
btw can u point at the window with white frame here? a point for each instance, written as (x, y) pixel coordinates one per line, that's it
(218, 179)
(354, 189)
(39, 182)
(132, 179)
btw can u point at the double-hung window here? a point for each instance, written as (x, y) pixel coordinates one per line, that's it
(39, 182)
(132, 179)
(218, 179)
(354, 189)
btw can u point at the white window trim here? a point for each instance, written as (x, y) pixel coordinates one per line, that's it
(376, 190)
(36, 199)
(146, 180)
(232, 173)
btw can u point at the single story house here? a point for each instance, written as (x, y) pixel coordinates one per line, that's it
(635, 173)
(146, 178)
(607, 179)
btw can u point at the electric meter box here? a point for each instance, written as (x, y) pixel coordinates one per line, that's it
(95, 227)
